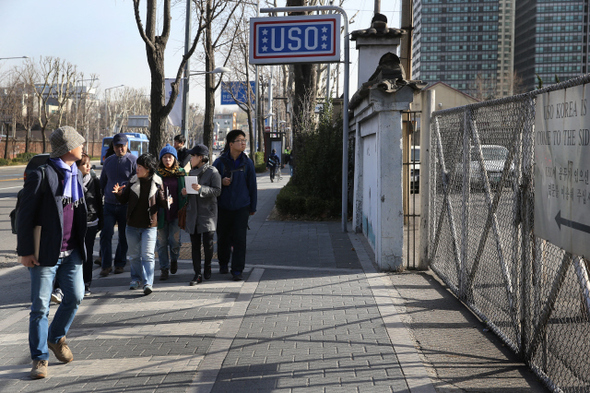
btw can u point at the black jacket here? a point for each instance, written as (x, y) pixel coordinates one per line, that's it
(93, 198)
(46, 209)
(183, 157)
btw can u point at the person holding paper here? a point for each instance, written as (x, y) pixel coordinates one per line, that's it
(201, 211)
(59, 210)
(168, 230)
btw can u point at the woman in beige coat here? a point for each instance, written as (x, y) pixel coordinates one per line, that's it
(201, 212)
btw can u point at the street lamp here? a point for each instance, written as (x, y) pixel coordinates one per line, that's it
(218, 70)
(106, 116)
(18, 57)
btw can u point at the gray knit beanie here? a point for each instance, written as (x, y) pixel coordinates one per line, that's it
(63, 140)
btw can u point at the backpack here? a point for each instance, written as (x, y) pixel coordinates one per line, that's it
(14, 212)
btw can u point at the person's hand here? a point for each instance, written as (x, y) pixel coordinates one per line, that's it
(183, 191)
(226, 181)
(29, 261)
(197, 187)
(252, 213)
(117, 188)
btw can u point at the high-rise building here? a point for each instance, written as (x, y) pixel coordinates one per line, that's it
(466, 44)
(551, 41)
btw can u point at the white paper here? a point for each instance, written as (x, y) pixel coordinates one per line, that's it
(188, 184)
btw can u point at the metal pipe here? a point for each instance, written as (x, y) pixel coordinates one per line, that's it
(185, 97)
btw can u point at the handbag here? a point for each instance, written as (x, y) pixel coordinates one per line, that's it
(182, 217)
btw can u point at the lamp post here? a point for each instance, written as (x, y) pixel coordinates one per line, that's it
(106, 116)
(185, 106)
(10, 58)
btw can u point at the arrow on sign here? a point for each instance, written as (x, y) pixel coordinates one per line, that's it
(572, 224)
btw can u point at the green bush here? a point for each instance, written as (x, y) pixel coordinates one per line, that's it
(314, 192)
(4, 161)
(24, 157)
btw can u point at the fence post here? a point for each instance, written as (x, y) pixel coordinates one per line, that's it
(428, 103)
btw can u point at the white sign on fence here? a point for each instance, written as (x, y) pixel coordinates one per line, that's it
(562, 169)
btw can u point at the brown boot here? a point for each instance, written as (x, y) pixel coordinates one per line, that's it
(164, 275)
(61, 350)
(39, 369)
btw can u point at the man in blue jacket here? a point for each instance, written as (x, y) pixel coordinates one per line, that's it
(118, 168)
(50, 242)
(237, 203)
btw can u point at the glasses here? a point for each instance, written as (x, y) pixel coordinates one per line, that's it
(240, 141)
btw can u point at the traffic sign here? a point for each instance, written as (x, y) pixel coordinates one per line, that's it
(295, 39)
(239, 91)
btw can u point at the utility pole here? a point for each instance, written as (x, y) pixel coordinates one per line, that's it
(185, 96)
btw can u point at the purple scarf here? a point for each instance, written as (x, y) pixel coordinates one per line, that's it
(72, 188)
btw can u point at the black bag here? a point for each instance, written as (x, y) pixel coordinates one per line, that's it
(14, 212)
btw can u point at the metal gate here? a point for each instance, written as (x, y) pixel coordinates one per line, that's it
(534, 295)
(411, 188)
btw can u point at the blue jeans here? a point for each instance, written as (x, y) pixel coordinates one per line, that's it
(113, 214)
(68, 274)
(169, 235)
(142, 247)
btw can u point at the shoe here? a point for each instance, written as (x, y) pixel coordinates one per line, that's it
(223, 269)
(197, 279)
(147, 289)
(173, 267)
(39, 369)
(106, 272)
(134, 285)
(61, 350)
(87, 291)
(236, 276)
(98, 261)
(57, 296)
(164, 275)
(119, 270)
(207, 274)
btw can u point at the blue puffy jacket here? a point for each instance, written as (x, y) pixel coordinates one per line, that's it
(242, 191)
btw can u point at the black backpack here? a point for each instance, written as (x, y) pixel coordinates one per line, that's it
(14, 212)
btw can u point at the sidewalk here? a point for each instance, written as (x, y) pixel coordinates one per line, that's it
(313, 315)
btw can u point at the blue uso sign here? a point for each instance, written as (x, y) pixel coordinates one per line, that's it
(295, 39)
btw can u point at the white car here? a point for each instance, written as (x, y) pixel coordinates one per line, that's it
(494, 158)
(415, 170)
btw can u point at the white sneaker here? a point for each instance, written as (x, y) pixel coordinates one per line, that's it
(57, 296)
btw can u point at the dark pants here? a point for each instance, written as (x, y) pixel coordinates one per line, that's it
(113, 214)
(196, 249)
(232, 226)
(90, 237)
(273, 171)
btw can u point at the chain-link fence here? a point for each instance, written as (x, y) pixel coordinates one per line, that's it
(531, 293)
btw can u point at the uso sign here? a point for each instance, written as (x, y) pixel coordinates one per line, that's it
(295, 39)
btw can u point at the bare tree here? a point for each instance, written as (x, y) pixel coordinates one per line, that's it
(238, 55)
(55, 88)
(155, 48)
(305, 84)
(212, 11)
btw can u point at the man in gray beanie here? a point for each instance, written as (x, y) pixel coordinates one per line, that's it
(50, 243)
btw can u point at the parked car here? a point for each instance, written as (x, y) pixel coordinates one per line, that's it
(415, 170)
(494, 158)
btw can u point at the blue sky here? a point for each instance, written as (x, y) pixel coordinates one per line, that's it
(101, 37)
